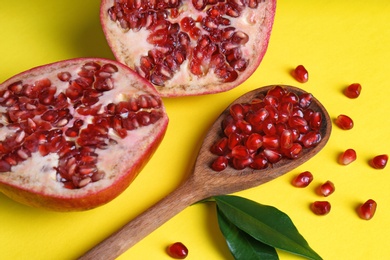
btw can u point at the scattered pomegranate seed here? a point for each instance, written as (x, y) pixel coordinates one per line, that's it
(320, 207)
(177, 250)
(344, 122)
(303, 179)
(353, 90)
(367, 210)
(300, 74)
(326, 189)
(347, 157)
(379, 161)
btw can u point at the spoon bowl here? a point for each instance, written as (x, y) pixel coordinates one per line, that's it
(204, 182)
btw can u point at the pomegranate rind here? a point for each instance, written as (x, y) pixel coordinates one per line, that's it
(128, 46)
(31, 187)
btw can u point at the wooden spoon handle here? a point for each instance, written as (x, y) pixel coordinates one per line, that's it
(146, 223)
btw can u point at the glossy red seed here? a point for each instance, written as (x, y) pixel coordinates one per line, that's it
(353, 90)
(177, 250)
(220, 147)
(219, 164)
(237, 111)
(259, 162)
(273, 156)
(300, 74)
(294, 152)
(326, 189)
(303, 179)
(379, 161)
(347, 157)
(305, 100)
(271, 141)
(310, 139)
(240, 152)
(315, 120)
(320, 207)
(240, 164)
(234, 140)
(286, 139)
(367, 210)
(344, 122)
(254, 142)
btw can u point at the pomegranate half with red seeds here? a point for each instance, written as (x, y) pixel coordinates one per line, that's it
(189, 47)
(74, 134)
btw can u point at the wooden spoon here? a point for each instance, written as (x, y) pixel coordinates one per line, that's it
(205, 183)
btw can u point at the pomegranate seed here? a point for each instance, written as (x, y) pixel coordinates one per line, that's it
(367, 210)
(234, 140)
(259, 162)
(220, 147)
(219, 164)
(240, 152)
(300, 74)
(240, 164)
(254, 142)
(347, 157)
(353, 90)
(326, 189)
(177, 250)
(344, 122)
(379, 161)
(303, 179)
(320, 207)
(237, 111)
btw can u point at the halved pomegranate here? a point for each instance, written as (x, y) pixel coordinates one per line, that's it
(74, 134)
(189, 47)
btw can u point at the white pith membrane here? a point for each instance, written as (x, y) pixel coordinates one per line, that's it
(37, 174)
(129, 46)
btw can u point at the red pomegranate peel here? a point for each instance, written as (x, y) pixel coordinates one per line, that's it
(204, 183)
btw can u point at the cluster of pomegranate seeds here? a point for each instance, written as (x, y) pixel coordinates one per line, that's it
(367, 210)
(347, 157)
(379, 161)
(206, 42)
(353, 90)
(257, 134)
(320, 207)
(326, 188)
(344, 122)
(177, 250)
(71, 122)
(303, 179)
(300, 74)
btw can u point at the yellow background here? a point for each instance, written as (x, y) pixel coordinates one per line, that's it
(339, 42)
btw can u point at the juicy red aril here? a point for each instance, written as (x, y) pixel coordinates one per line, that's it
(326, 188)
(300, 74)
(353, 90)
(367, 210)
(267, 129)
(344, 122)
(219, 164)
(347, 157)
(379, 161)
(303, 179)
(177, 250)
(320, 207)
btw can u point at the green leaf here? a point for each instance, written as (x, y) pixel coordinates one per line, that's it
(243, 246)
(265, 223)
